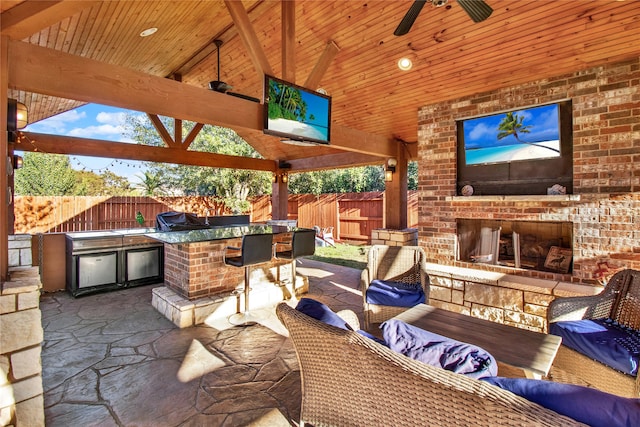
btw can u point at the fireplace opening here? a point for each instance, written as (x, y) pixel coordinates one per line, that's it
(533, 245)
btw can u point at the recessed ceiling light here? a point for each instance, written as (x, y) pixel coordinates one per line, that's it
(148, 32)
(405, 64)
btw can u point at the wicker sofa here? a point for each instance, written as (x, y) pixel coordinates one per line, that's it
(619, 301)
(351, 380)
(396, 263)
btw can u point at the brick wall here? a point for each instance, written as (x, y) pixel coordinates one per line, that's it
(605, 206)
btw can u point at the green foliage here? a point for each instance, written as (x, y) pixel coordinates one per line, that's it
(105, 184)
(233, 186)
(350, 180)
(45, 175)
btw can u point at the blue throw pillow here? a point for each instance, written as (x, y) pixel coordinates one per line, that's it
(603, 340)
(395, 294)
(587, 405)
(439, 351)
(321, 312)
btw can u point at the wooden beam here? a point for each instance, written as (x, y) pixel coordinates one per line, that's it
(55, 144)
(361, 142)
(330, 51)
(248, 36)
(289, 40)
(329, 161)
(4, 151)
(162, 131)
(192, 135)
(30, 17)
(46, 71)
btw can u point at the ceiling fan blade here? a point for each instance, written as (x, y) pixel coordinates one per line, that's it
(409, 18)
(478, 10)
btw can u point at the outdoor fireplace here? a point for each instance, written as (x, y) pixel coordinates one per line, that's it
(533, 245)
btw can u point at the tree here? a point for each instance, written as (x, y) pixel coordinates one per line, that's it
(512, 124)
(45, 175)
(231, 185)
(151, 183)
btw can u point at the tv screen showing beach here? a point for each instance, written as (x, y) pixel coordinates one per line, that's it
(532, 133)
(296, 113)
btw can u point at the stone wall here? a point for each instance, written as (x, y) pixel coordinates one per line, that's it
(512, 300)
(21, 391)
(384, 236)
(605, 206)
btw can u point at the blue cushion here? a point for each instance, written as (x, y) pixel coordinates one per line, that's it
(395, 294)
(587, 405)
(321, 312)
(439, 351)
(603, 340)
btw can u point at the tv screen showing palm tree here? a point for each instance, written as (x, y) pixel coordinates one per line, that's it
(532, 133)
(294, 112)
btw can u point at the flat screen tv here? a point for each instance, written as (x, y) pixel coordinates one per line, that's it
(295, 113)
(524, 151)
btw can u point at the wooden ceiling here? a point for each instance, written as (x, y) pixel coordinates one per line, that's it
(352, 43)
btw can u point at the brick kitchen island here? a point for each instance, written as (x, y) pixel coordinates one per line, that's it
(198, 285)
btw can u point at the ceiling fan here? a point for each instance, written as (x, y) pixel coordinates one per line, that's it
(222, 87)
(478, 10)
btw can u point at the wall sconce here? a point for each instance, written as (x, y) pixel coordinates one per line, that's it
(284, 177)
(390, 169)
(17, 161)
(274, 178)
(17, 116)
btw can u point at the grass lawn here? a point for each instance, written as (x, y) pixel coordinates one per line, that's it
(343, 254)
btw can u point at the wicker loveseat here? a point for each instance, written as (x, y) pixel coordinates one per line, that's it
(406, 264)
(351, 380)
(618, 301)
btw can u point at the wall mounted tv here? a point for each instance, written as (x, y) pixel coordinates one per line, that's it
(524, 151)
(295, 113)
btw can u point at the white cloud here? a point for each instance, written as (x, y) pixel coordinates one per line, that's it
(480, 131)
(57, 124)
(111, 118)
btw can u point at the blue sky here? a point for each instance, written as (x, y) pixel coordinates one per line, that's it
(95, 122)
(482, 132)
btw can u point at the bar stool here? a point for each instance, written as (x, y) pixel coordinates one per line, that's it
(303, 243)
(255, 249)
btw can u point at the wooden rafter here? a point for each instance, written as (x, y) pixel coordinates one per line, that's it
(248, 36)
(29, 17)
(289, 40)
(162, 131)
(56, 144)
(330, 51)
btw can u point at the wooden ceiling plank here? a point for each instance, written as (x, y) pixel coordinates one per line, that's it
(30, 17)
(249, 37)
(289, 40)
(330, 52)
(55, 144)
(334, 161)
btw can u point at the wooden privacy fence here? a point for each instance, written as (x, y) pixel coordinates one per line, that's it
(352, 215)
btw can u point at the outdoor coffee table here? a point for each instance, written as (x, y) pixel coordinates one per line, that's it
(533, 352)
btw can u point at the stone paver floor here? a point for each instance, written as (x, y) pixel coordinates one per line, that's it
(111, 359)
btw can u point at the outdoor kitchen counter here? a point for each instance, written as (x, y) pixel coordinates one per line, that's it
(213, 233)
(194, 264)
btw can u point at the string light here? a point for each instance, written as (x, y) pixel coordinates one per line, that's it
(22, 138)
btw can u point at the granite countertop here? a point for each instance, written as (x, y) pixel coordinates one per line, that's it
(217, 233)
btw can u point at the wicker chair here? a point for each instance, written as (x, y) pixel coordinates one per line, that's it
(620, 301)
(399, 263)
(351, 380)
